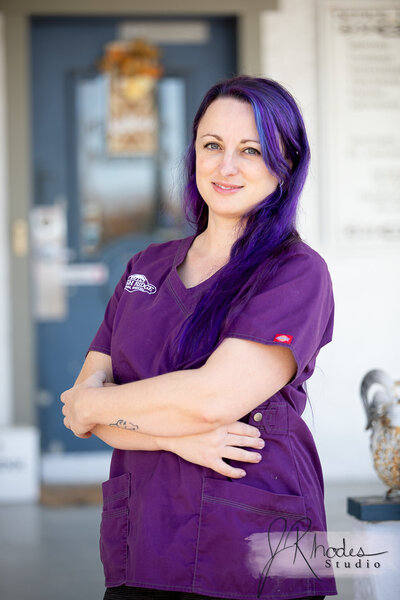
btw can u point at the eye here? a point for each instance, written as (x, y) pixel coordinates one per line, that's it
(212, 146)
(252, 151)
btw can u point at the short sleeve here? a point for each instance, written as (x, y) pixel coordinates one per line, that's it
(294, 309)
(102, 340)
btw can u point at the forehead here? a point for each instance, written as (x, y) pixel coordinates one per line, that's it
(228, 114)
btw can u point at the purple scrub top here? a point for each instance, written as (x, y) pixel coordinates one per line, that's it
(172, 525)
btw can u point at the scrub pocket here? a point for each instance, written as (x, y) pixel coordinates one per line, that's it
(114, 528)
(233, 539)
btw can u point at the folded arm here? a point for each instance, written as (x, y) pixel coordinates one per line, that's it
(96, 363)
(237, 377)
(209, 449)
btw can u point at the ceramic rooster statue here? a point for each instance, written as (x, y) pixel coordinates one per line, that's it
(381, 399)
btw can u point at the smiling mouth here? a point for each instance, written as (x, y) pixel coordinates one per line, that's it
(227, 187)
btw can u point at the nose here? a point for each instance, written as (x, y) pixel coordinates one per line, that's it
(228, 165)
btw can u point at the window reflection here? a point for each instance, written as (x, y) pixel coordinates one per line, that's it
(125, 195)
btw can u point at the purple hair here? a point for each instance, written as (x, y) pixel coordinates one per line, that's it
(269, 228)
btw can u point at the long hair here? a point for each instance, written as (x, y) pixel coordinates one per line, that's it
(268, 229)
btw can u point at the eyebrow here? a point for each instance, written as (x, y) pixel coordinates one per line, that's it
(220, 138)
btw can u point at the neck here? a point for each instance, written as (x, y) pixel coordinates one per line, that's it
(217, 240)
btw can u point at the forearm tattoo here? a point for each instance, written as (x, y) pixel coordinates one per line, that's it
(122, 424)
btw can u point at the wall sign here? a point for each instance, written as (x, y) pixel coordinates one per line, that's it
(360, 123)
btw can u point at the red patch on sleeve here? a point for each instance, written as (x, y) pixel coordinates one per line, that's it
(283, 337)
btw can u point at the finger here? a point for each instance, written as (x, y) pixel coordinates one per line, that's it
(240, 454)
(66, 423)
(84, 435)
(223, 468)
(244, 440)
(64, 410)
(241, 428)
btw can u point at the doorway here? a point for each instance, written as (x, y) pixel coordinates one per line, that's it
(93, 209)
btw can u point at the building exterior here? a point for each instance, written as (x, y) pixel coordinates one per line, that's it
(313, 47)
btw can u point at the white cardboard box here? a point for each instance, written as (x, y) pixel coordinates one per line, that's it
(19, 464)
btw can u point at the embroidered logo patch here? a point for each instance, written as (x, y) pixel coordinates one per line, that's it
(282, 337)
(139, 283)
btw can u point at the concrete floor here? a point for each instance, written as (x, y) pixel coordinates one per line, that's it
(52, 553)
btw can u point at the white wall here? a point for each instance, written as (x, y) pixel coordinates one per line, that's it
(367, 288)
(5, 315)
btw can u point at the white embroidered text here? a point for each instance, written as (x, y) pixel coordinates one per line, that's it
(139, 283)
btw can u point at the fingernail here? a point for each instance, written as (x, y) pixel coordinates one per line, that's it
(242, 473)
(258, 456)
(261, 443)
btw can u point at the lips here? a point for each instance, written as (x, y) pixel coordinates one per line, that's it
(226, 187)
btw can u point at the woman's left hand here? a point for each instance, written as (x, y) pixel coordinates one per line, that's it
(209, 449)
(75, 405)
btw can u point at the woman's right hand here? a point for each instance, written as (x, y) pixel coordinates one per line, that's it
(208, 449)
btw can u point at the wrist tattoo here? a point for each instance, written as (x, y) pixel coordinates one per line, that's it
(122, 424)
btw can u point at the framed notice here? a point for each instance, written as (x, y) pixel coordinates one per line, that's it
(359, 113)
(133, 68)
(132, 121)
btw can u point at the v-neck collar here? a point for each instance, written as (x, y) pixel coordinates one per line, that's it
(187, 298)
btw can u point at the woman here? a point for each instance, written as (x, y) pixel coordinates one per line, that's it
(210, 340)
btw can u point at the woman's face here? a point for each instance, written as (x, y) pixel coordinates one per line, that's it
(231, 175)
